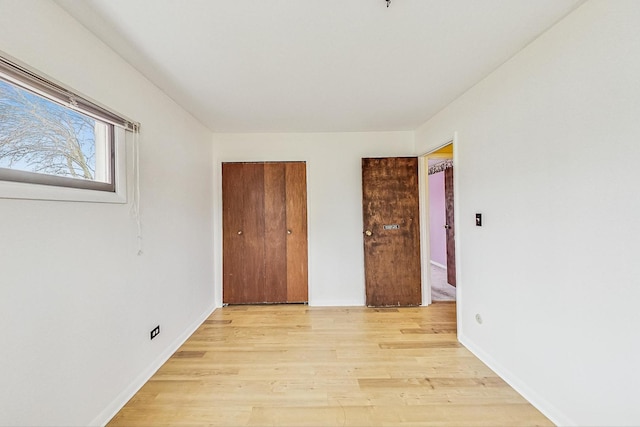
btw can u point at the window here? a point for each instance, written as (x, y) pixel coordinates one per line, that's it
(43, 142)
(69, 147)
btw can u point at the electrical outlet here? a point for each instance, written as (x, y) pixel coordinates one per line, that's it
(155, 332)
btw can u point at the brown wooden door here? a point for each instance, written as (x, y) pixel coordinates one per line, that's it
(296, 212)
(450, 226)
(243, 232)
(275, 238)
(391, 231)
(264, 232)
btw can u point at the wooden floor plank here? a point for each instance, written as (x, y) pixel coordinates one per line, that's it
(293, 365)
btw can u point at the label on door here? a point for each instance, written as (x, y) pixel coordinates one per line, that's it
(391, 226)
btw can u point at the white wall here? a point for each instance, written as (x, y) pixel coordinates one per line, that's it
(76, 302)
(552, 272)
(334, 200)
(548, 150)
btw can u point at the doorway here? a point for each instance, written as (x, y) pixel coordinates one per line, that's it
(439, 190)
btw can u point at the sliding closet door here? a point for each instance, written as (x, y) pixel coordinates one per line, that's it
(275, 239)
(296, 188)
(243, 232)
(264, 233)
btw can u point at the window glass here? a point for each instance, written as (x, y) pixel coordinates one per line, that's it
(44, 142)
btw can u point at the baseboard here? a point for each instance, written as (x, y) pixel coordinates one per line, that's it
(550, 411)
(437, 264)
(336, 303)
(112, 409)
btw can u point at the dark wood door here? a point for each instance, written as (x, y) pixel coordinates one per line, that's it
(391, 231)
(264, 233)
(450, 226)
(296, 212)
(243, 232)
(275, 238)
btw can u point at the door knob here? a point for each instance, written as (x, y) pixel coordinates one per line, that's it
(239, 232)
(368, 233)
(447, 226)
(288, 231)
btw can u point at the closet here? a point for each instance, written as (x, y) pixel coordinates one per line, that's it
(264, 216)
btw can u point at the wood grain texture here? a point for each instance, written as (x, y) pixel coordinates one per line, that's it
(243, 235)
(451, 230)
(297, 248)
(253, 233)
(275, 238)
(292, 365)
(232, 243)
(264, 232)
(392, 256)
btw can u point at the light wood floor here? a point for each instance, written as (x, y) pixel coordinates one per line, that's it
(293, 365)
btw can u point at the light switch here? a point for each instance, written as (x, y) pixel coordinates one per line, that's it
(478, 220)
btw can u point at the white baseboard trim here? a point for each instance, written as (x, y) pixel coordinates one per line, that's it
(550, 411)
(437, 264)
(118, 403)
(336, 303)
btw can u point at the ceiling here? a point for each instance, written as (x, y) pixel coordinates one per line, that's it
(316, 66)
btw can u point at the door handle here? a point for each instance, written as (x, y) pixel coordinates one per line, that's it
(368, 233)
(447, 226)
(289, 231)
(239, 232)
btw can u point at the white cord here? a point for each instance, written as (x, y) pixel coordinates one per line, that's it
(135, 204)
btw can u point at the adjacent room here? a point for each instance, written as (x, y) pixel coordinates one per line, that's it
(322, 212)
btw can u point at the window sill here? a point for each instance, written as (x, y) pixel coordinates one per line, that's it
(27, 191)
(19, 190)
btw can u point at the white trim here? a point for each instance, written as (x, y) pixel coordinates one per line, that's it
(352, 302)
(437, 264)
(543, 405)
(22, 190)
(438, 147)
(118, 403)
(423, 199)
(217, 230)
(425, 250)
(456, 240)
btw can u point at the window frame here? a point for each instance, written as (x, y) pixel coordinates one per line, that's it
(28, 177)
(37, 191)
(16, 184)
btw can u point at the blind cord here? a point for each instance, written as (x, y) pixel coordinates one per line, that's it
(135, 205)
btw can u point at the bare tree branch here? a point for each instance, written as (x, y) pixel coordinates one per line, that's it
(41, 136)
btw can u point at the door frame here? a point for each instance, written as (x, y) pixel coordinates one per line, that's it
(423, 196)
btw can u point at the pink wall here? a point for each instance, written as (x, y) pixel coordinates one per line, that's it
(437, 233)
